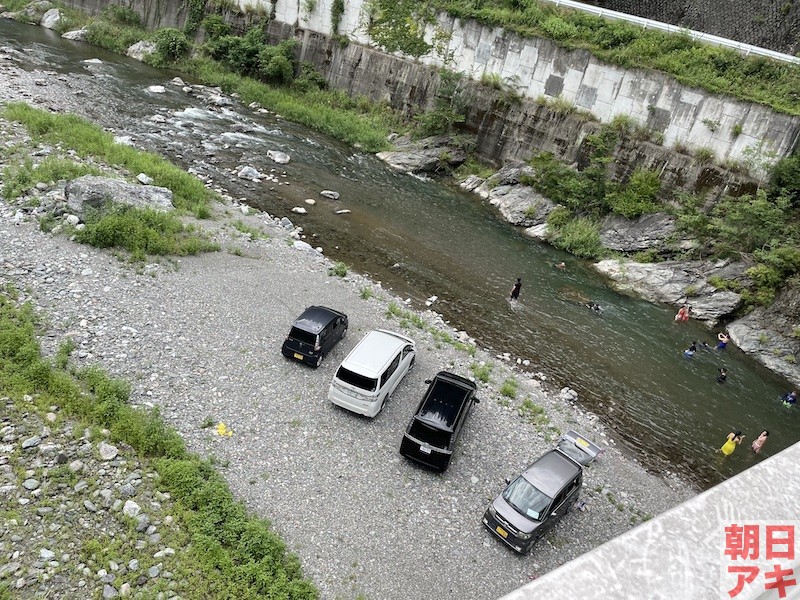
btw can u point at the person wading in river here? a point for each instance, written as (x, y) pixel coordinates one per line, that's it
(516, 288)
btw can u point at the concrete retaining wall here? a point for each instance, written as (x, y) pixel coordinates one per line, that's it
(686, 117)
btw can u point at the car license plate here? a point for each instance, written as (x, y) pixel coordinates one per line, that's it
(501, 532)
(425, 449)
(582, 443)
(298, 356)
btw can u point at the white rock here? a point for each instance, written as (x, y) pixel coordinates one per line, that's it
(156, 89)
(131, 509)
(277, 156)
(107, 451)
(344, 211)
(330, 194)
(51, 18)
(144, 179)
(310, 201)
(299, 210)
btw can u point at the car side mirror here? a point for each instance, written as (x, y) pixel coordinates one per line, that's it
(429, 381)
(476, 400)
(508, 480)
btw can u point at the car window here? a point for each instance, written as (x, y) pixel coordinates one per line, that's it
(390, 370)
(303, 336)
(431, 435)
(526, 499)
(356, 380)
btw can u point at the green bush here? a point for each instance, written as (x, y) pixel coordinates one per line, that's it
(121, 15)
(638, 197)
(481, 372)
(171, 45)
(215, 27)
(141, 232)
(559, 29)
(785, 180)
(275, 63)
(559, 217)
(580, 237)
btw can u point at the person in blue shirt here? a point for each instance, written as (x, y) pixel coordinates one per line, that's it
(790, 398)
(690, 351)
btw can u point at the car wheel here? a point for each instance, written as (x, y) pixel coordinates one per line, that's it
(319, 360)
(344, 333)
(411, 364)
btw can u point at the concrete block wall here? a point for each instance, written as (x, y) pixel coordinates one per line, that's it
(686, 117)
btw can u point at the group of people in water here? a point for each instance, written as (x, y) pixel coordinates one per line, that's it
(734, 438)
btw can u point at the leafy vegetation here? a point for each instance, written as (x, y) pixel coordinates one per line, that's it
(141, 232)
(339, 269)
(509, 388)
(86, 139)
(22, 176)
(228, 553)
(482, 371)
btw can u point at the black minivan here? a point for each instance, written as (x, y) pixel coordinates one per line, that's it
(314, 334)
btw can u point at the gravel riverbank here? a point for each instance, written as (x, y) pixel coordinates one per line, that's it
(200, 338)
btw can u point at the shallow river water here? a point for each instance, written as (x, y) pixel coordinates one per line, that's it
(422, 239)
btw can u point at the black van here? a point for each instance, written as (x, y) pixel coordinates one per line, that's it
(314, 334)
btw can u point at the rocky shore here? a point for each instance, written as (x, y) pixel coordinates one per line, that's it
(200, 338)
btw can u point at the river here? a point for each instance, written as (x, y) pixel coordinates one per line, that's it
(421, 238)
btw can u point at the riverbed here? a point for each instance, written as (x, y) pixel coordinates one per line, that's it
(423, 239)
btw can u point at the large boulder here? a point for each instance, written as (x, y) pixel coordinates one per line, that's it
(33, 12)
(635, 235)
(520, 204)
(78, 35)
(677, 283)
(92, 192)
(51, 18)
(141, 50)
(428, 155)
(772, 334)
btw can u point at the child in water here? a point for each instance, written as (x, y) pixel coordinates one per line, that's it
(734, 439)
(690, 351)
(758, 443)
(723, 375)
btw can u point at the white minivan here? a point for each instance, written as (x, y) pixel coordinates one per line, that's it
(371, 372)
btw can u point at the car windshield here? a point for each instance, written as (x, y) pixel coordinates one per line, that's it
(354, 379)
(303, 336)
(526, 499)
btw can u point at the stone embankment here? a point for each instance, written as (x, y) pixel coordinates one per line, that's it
(199, 337)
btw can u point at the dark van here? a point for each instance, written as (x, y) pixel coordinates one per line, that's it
(536, 500)
(314, 334)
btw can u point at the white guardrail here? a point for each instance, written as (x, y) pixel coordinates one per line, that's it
(745, 49)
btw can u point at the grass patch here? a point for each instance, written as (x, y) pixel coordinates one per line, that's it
(533, 413)
(21, 177)
(366, 292)
(482, 372)
(230, 553)
(339, 269)
(88, 140)
(253, 233)
(141, 232)
(509, 388)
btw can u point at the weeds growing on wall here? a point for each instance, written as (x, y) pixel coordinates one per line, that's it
(399, 25)
(718, 70)
(230, 554)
